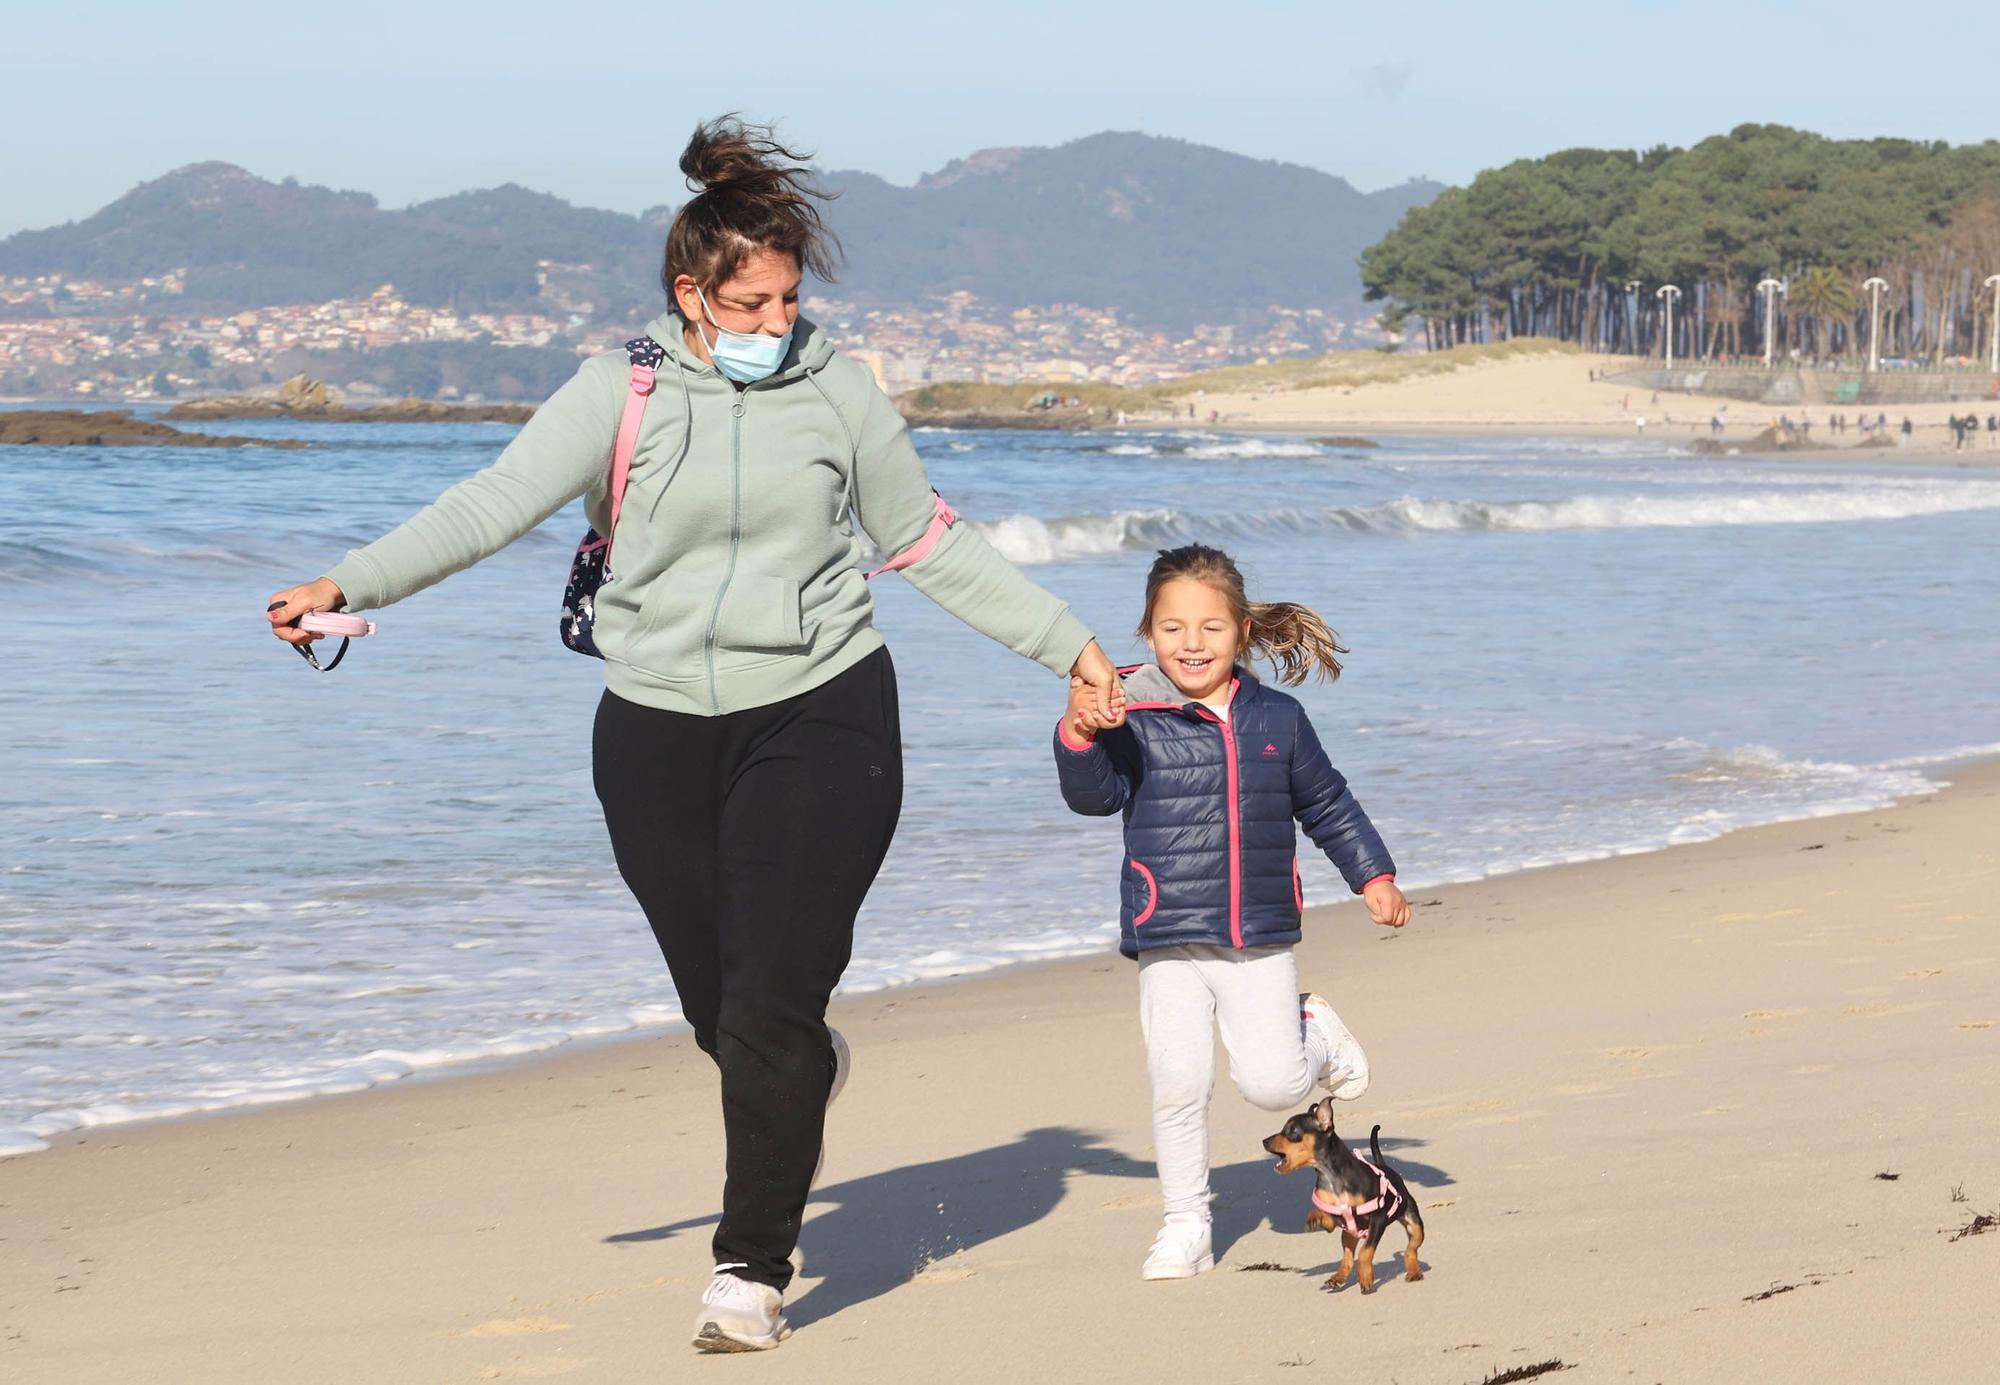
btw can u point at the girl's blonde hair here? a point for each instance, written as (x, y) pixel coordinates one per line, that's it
(1293, 637)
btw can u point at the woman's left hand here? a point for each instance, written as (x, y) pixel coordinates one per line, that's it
(1094, 669)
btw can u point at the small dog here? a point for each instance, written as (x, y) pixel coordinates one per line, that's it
(1351, 1195)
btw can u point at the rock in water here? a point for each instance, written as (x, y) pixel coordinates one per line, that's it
(302, 394)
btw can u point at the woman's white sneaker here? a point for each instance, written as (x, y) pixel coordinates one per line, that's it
(739, 1315)
(1346, 1074)
(843, 1063)
(1182, 1250)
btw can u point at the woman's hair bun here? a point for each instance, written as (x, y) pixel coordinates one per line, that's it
(751, 193)
(727, 153)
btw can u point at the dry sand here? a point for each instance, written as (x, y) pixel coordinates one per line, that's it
(1647, 1105)
(1554, 393)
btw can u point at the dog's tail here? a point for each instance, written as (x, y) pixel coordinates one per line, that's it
(1375, 1145)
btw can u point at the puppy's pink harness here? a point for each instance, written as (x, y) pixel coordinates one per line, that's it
(1385, 1196)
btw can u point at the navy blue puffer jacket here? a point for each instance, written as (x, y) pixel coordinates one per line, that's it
(1210, 850)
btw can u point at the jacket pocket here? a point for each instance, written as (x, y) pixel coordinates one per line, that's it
(1143, 911)
(760, 615)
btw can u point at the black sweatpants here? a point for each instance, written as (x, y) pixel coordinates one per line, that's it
(750, 840)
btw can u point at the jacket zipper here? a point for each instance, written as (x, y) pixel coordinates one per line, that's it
(1235, 844)
(735, 532)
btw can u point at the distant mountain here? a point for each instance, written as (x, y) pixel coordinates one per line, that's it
(1170, 232)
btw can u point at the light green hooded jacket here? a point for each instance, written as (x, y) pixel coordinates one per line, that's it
(735, 579)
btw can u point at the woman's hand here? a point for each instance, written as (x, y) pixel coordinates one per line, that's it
(1095, 671)
(1081, 718)
(1385, 902)
(287, 606)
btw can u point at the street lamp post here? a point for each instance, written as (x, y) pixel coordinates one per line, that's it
(1874, 287)
(1632, 317)
(1770, 288)
(1667, 293)
(1994, 283)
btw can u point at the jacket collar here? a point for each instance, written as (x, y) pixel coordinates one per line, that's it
(1148, 689)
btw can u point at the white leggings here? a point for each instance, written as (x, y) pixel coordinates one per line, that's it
(1254, 995)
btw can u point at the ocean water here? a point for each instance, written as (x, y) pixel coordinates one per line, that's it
(227, 880)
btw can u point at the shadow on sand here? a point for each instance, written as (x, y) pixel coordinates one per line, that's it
(868, 1235)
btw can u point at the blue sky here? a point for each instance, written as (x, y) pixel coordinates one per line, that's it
(592, 100)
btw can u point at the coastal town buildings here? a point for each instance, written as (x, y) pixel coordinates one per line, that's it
(133, 340)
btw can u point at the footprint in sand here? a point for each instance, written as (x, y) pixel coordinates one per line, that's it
(1976, 1024)
(1923, 974)
(1771, 1014)
(1878, 1011)
(1582, 1089)
(514, 1327)
(1752, 918)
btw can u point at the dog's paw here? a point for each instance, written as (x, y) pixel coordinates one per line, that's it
(1413, 1276)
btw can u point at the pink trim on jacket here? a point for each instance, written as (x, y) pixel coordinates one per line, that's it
(1388, 875)
(1062, 734)
(1235, 815)
(1298, 891)
(1152, 892)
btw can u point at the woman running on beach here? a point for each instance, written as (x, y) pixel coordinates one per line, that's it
(1211, 769)
(747, 751)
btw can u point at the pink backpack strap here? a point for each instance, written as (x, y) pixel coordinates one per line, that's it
(942, 518)
(646, 355)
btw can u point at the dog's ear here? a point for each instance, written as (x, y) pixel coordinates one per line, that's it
(1323, 1116)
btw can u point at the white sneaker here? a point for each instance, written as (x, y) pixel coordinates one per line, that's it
(1182, 1250)
(1346, 1074)
(843, 1063)
(739, 1315)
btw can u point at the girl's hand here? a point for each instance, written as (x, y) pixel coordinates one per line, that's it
(1098, 673)
(1386, 904)
(287, 606)
(1082, 718)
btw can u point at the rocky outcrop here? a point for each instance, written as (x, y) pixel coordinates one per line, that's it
(306, 398)
(109, 428)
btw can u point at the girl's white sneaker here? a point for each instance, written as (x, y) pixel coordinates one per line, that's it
(739, 1315)
(1346, 1074)
(1182, 1250)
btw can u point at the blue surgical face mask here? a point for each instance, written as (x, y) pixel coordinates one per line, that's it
(745, 357)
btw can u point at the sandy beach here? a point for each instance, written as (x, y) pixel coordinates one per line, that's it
(1695, 1115)
(1556, 394)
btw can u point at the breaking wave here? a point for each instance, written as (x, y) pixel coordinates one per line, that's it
(1029, 539)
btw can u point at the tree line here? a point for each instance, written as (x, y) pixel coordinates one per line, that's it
(1577, 246)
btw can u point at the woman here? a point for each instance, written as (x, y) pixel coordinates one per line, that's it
(747, 751)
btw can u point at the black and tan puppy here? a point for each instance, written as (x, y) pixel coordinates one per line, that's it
(1354, 1196)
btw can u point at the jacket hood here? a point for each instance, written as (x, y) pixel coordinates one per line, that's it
(810, 349)
(1149, 683)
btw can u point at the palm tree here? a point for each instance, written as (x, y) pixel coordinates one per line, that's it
(1823, 294)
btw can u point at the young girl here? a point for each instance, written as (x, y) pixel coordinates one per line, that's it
(1210, 768)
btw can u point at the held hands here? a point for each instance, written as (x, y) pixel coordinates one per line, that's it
(1096, 695)
(287, 606)
(1386, 904)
